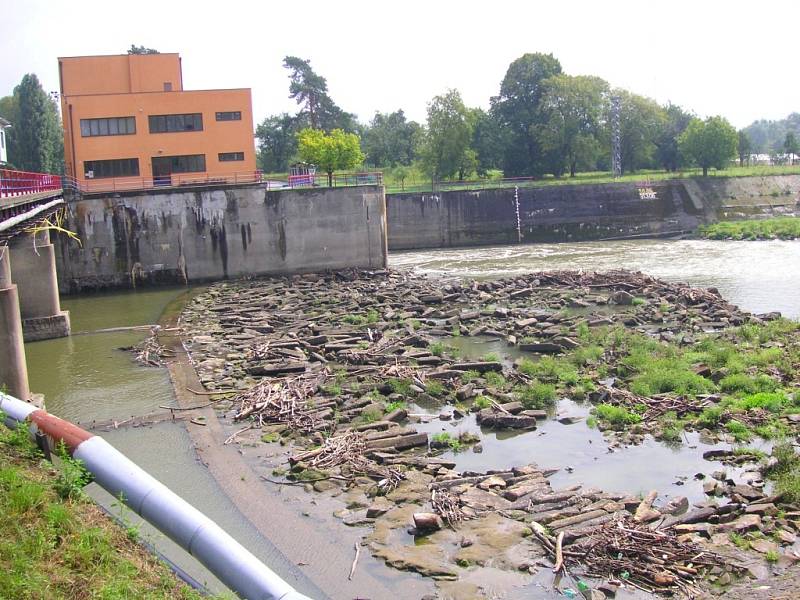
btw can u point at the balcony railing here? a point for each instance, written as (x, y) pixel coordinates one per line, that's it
(22, 183)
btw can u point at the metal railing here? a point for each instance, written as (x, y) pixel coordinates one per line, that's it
(20, 183)
(175, 180)
(337, 180)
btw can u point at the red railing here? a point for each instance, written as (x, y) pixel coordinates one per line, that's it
(175, 180)
(21, 183)
(182, 180)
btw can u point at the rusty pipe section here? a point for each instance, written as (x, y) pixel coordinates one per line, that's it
(228, 560)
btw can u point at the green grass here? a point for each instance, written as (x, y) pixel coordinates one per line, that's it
(667, 375)
(445, 439)
(417, 181)
(739, 431)
(550, 370)
(536, 395)
(785, 228)
(786, 471)
(396, 405)
(436, 348)
(434, 387)
(482, 402)
(739, 383)
(616, 415)
(468, 376)
(60, 545)
(400, 386)
(494, 379)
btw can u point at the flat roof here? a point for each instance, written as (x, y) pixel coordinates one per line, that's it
(162, 92)
(110, 55)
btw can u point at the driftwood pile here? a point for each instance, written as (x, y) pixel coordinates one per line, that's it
(150, 352)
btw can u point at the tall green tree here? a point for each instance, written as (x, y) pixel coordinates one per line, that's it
(744, 147)
(445, 149)
(791, 146)
(517, 107)
(389, 140)
(330, 151)
(310, 91)
(709, 143)
(277, 142)
(489, 139)
(641, 120)
(675, 123)
(39, 140)
(572, 111)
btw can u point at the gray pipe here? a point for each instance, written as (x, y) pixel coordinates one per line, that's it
(228, 560)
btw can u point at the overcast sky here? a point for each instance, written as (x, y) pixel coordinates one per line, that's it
(738, 59)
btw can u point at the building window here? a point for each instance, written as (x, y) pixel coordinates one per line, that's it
(229, 156)
(120, 167)
(2, 139)
(108, 126)
(167, 86)
(191, 163)
(173, 123)
(231, 115)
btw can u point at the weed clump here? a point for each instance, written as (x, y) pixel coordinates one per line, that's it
(536, 395)
(616, 415)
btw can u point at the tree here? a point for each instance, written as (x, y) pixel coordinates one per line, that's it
(641, 120)
(488, 141)
(134, 49)
(39, 140)
(572, 110)
(330, 152)
(389, 139)
(517, 107)
(744, 147)
(791, 146)
(709, 143)
(445, 148)
(277, 142)
(310, 91)
(676, 121)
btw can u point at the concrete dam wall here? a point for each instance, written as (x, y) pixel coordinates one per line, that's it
(175, 237)
(569, 213)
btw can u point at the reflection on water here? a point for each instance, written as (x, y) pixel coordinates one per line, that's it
(86, 377)
(757, 276)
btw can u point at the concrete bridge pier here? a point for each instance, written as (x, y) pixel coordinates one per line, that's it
(35, 275)
(13, 369)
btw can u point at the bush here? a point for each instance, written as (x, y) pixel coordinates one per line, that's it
(550, 370)
(616, 415)
(739, 431)
(537, 395)
(772, 402)
(667, 376)
(482, 402)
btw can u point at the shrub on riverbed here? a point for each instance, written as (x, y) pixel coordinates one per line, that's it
(741, 383)
(785, 470)
(616, 415)
(785, 228)
(772, 402)
(536, 395)
(667, 375)
(550, 370)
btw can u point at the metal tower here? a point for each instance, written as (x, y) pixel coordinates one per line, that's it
(616, 138)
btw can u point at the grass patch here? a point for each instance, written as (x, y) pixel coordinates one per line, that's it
(536, 395)
(436, 348)
(400, 386)
(444, 439)
(481, 402)
(60, 545)
(616, 415)
(739, 431)
(434, 387)
(550, 370)
(494, 379)
(468, 376)
(663, 375)
(784, 228)
(396, 405)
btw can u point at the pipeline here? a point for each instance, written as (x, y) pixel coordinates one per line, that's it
(228, 560)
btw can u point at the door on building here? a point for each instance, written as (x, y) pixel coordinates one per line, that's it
(162, 170)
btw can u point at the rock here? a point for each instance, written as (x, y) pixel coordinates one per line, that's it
(357, 519)
(747, 492)
(514, 422)
(465, 392)
(764, 546)
(494, 481)
(541, 348)
(445, 416)
(427, 522)
(477, 448)
(743, 523)
(324, 485)
(597, 595)
(676, 506)
(570, 420)
(608, 588)
(712, 488)
(565, 342)
(397, 415)
(465, 542)
(786, 537)
(622, 297)
(762, 509)
(380, 506)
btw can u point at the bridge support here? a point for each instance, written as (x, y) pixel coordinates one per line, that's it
(13, 369)
(35, 275)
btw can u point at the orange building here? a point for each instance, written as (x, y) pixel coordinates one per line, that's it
(129, 124)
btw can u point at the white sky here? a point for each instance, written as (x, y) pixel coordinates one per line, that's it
(734, 58)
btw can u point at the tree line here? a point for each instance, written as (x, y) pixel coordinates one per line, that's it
(542, 121)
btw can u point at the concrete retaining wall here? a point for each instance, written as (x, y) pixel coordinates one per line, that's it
(195, 235)
(562, 213)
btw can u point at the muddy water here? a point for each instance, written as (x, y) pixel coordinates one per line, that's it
(758, 276)
(86, 377)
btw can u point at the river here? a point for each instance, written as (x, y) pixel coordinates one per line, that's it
(87, 377)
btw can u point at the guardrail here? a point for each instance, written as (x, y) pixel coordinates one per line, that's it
(19, 183)
(337, 180)
(228, 560)
(175, 180)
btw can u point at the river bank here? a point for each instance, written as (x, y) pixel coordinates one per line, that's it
(346, 375)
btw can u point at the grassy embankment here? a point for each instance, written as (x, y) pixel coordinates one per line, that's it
(56, 543)
(783, 228)
(416, 181)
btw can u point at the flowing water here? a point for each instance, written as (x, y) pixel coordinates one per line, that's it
(86, 377)
(757, 276)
